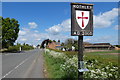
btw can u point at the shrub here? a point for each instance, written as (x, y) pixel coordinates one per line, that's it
(13, 48)
(69, 68)
(27, 47)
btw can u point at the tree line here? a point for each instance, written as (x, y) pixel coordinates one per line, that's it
(9, 29)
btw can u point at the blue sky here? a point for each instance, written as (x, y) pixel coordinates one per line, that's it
(39, 21)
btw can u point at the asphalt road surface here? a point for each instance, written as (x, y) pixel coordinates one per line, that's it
(28, 64)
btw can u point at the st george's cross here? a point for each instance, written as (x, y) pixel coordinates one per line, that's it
(82, 18)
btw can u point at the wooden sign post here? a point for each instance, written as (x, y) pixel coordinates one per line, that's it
(81, 25)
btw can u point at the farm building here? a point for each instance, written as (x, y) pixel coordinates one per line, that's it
(100, 46)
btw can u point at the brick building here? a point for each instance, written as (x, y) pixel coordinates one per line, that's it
(54, 45)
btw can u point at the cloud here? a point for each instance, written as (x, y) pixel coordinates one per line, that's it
(66, 25)
(26, 29)
(23, 39)
(117, 27)
(105, 19)
(21, 33)
(103, 39)
(32, 25)
(58, 32)
(54, 29)
(87, 40)
(36, 31)
(27, 35)
(102, 20)
(38, 39)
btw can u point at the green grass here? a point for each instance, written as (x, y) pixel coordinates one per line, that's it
(53, 66)
(102, 56)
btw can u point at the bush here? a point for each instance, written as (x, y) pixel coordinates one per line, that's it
(16, 48)
(66, 67)
(13, 48)
(27, 47)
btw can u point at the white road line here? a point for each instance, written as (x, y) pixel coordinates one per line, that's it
(15, 67)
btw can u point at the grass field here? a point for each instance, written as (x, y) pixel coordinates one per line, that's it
(104, 56)
(103, 61)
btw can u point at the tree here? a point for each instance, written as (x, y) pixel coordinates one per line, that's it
(69, 43)
(10, 30)
(0, 32)
(58, 40)
(54, 41)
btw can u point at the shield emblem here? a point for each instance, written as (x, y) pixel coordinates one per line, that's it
(82, 18)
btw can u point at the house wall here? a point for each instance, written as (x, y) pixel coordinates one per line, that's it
(53, 45)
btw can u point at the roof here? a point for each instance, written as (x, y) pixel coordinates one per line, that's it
(97, 46)
(59, 46)
(57, 43)
(101, 44)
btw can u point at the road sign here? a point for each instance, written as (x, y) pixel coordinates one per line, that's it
(81, 25)
(81, 19)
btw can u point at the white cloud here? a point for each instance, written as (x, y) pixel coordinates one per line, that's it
(36, 31)
(105, 19)
(22, 33)
(38, 39)
(117, 27)
(103, 39)
(102, 20)
(55, 32)
(23, 39)
(66, 25)
(54, 29)
(87, 40)
(32, 25)
(26, 29)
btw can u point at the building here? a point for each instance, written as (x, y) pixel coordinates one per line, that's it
(54, 45)
(99, 46)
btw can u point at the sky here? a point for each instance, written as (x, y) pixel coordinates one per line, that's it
(42, 20)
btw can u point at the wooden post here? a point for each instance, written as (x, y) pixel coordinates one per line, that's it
(80, 56)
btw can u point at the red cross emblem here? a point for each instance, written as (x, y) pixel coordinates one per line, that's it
(82, 18)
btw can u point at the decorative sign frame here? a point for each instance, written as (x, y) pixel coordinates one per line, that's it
(81, 19)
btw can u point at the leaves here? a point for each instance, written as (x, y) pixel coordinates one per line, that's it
(10, 30)
(97, 69)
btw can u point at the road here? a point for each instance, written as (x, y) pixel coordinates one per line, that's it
(28, 64)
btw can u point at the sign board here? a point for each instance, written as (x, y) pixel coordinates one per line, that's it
(81, 19)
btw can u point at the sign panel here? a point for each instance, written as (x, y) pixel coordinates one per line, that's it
(81, 19)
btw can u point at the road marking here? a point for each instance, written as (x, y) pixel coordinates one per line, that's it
(16, 67)
(30, 69)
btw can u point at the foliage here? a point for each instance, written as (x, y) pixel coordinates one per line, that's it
(54, 41)
(16, 48)
(99, 68)
(117, 46)
(0, 32)
(72, 42)
(69, 43)
(53, 65)
(26, 47)
(10, 30)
